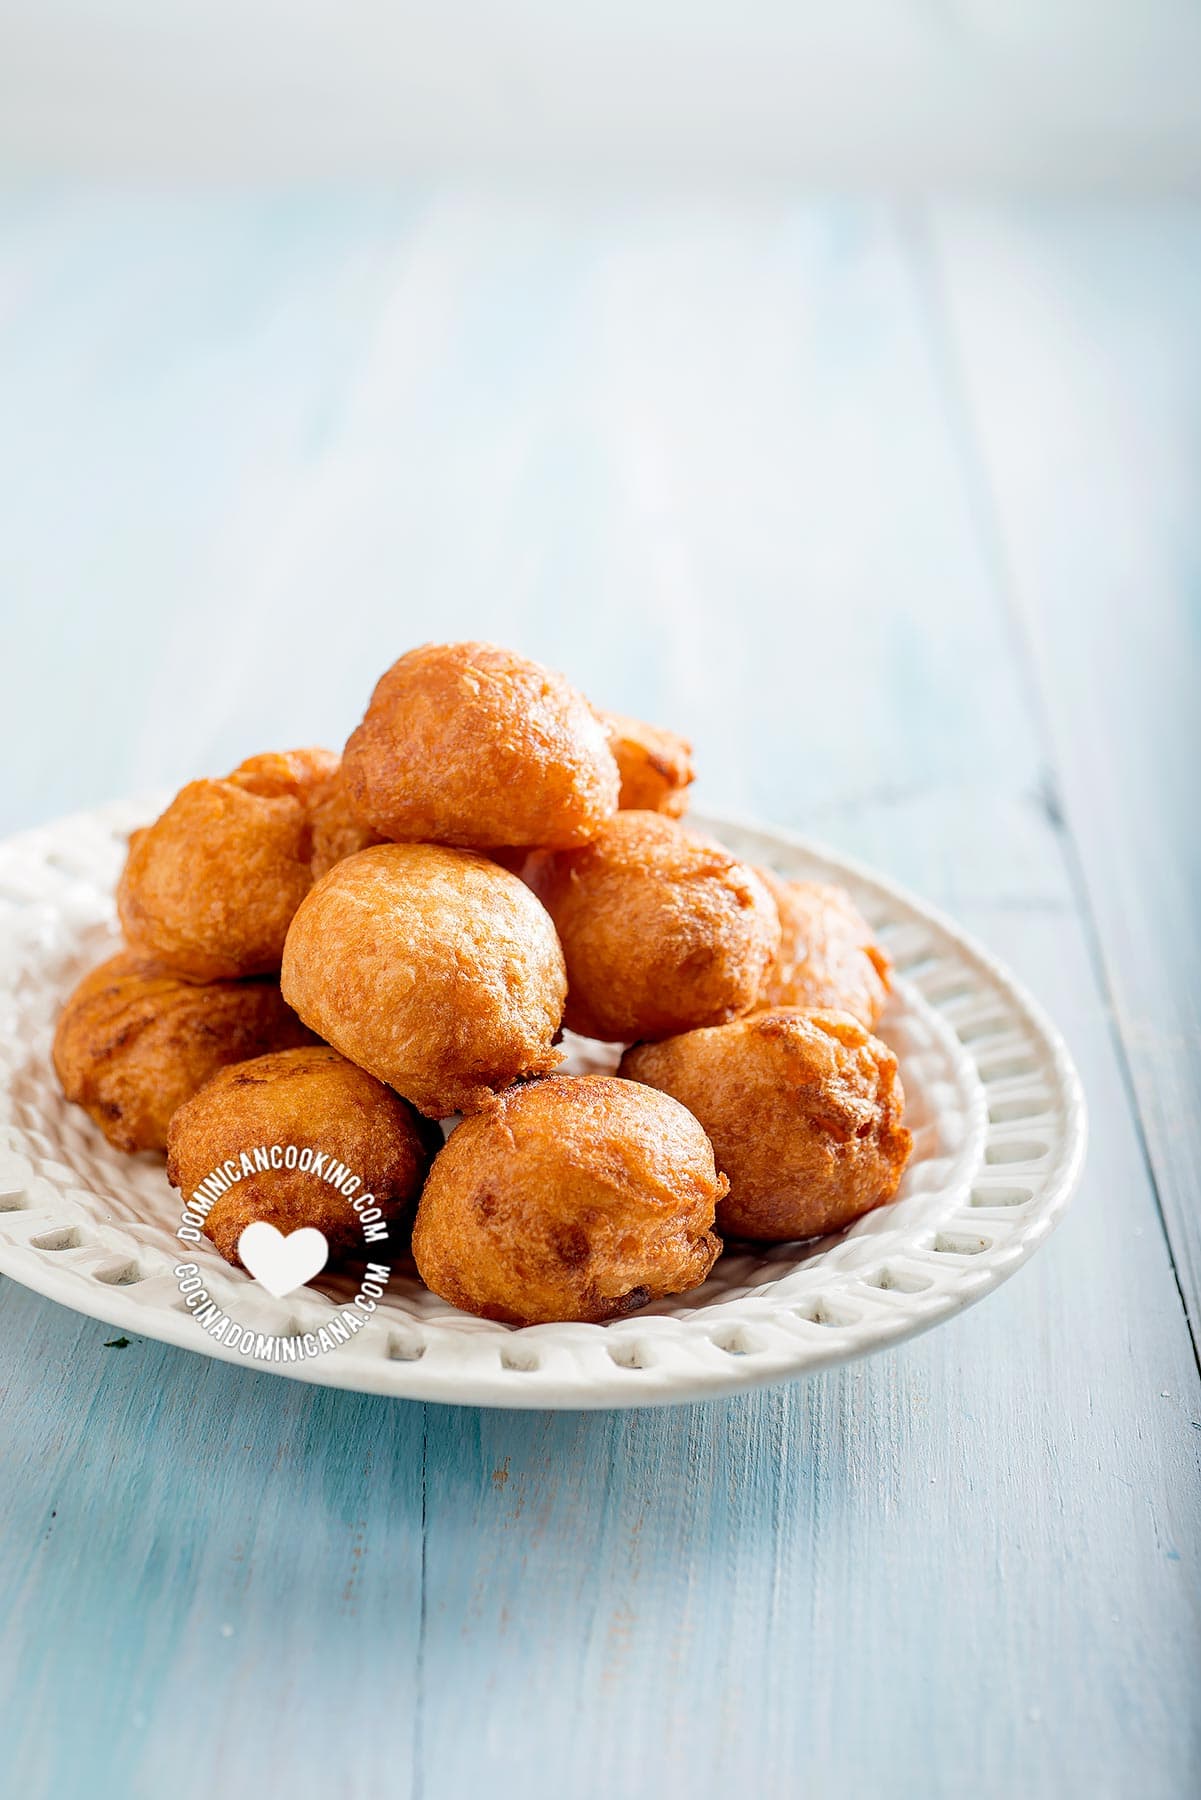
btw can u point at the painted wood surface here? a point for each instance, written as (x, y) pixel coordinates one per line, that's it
(1100, 502)
(796, 479)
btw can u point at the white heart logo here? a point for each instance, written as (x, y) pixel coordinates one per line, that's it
(281, 1263)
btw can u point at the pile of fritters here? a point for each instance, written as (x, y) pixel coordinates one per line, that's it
(340, 952)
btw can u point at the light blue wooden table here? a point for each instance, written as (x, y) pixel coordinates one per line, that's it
(896, 514)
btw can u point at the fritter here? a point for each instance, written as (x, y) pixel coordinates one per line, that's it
(472, 745)
(655, 766)
(134, 1042)
(576, 1197)
(299, 773)
(338, 831)
(210, 888)
(827, 957)
(662, 930)
(434, 968)
(804, 1112)
(312, 1099)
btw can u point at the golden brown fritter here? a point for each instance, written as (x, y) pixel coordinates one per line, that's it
(826, 957)
(576, 1197)
(338, 831)
(662, 930)
(655, 766)
(472, 745)
(804, 1111)
(316, 1100)
(134, 1042)
(434, 968)
(210, 888)
(300, 773)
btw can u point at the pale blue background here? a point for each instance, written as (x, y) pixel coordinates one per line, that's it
(893, 510)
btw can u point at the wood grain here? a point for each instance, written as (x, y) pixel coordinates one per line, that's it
(1094, 520)
(725, 463)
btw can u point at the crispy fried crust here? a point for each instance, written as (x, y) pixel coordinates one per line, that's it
(299, 773)
(655, 766)
(570, 1198)
(312, 1098)
(827, 957)
(134, 1042)
(804, 1111)
(338, 831)
(434, 968)
(472, 745)
(662, 930)
(210, 888)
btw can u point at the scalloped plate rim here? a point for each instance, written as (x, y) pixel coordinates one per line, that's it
(622, 1387)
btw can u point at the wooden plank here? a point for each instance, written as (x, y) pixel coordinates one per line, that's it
(1090, 329)
(701, 456)
(168, 366)
(282, 430)
(197, 1559)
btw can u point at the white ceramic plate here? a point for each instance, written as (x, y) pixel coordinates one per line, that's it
(993, 1101)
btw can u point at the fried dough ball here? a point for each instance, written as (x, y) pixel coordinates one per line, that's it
(662, 930)
(338, 831)
(576, 1197)
(804, 1111)
(826, 957)
(299, 773)
(134, 1042)
(434, 968)
(472, 745)
(313, 1099)
(210, 888)
(655, 766)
